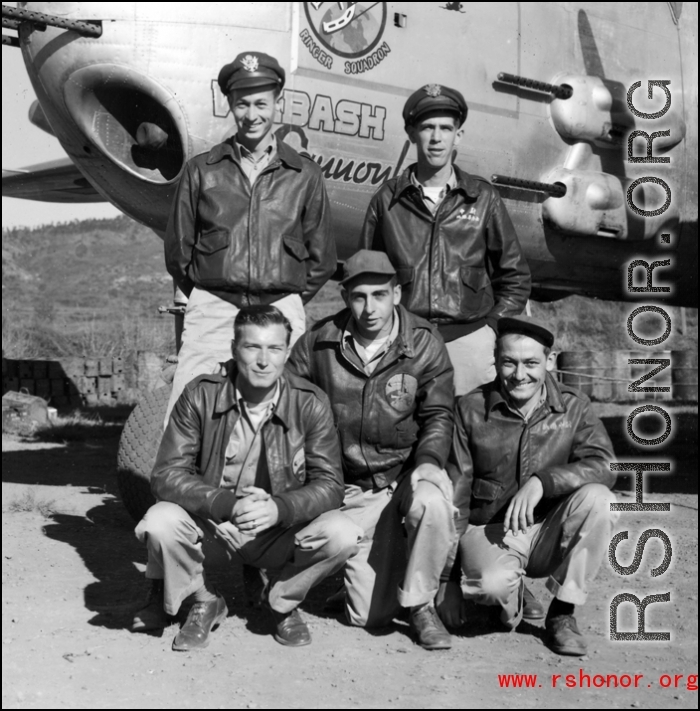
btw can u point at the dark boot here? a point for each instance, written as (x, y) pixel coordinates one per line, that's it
(428, 628)
(562, 634)
(152, 615)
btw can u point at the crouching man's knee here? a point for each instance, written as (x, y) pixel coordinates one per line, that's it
(494, 585)
(594, 500)
(334, 533)
(166, 522)
(428, 503)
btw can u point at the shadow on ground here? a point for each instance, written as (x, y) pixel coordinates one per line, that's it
(104, 539)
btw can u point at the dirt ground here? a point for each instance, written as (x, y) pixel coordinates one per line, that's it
(72, 577)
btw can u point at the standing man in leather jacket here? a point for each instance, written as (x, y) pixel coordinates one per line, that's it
(530, 464)
(249, 459)
(389, 381)
(250, 223)
(450, 238)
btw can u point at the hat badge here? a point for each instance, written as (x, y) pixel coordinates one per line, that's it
(433, 90)
(250, 63)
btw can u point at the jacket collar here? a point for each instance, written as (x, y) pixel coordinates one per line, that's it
(332, 331)
(554, 400)
(229, 148)
(226, 397)
(464, 181)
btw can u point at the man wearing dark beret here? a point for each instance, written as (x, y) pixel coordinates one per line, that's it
(530, 464)
(450, 238)
(250, 223)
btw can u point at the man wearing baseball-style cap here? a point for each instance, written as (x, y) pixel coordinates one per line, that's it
(530, 464)
(450, 238)
(389, 380)
(250, 223)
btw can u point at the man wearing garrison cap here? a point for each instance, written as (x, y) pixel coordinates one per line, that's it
(450, 238)
(389, 380)
(530, 464)
(250, 223)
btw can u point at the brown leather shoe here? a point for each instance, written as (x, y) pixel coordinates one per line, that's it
(152, 615)
(428, 628)
(563, 636)
(533, 610)
(290, 628)
(203, 617)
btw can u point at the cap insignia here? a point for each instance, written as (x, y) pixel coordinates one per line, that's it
(432, 90)
(250, 63)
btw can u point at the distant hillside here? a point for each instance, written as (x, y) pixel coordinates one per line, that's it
(88, 287)
(93, 286)
(99, 264)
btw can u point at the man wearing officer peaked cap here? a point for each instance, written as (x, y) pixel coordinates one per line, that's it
(450, 238)
(250, 224)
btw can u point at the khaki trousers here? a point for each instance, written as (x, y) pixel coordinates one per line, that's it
(208, 332)
(407, 538)
(568, 546)
(295, 558)
(473, 359)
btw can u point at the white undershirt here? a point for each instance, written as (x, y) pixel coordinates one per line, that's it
(434, 194)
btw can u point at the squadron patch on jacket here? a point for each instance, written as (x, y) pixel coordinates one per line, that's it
(298, 462)
(401, 391)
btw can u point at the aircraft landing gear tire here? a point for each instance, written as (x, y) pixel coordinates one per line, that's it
(138, 447)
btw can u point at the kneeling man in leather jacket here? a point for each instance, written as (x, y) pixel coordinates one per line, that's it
(389, 380)
(250, 459)
(530, 464)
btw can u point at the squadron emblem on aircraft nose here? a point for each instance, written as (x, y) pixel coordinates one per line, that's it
(250, 63)
(351, 30)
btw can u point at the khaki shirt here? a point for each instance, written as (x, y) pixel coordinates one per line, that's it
(244, 446)
(253, 166)
(370, 360)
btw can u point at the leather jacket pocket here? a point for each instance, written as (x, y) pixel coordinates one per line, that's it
(210, 260)
(211, 242)
(398, 437)
(474, 294)
(293, 267)
(486, 490)
(405, 275)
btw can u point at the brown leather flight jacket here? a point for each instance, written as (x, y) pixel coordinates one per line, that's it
(494, 451)
(399, 416)
(460, 266)
(250, 244)
(300, 449)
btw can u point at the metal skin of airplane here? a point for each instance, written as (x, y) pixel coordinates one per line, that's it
(558, 93)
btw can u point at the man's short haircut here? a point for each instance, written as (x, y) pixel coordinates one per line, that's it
(262, 315)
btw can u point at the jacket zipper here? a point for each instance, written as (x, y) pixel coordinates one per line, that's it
(250, 217)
